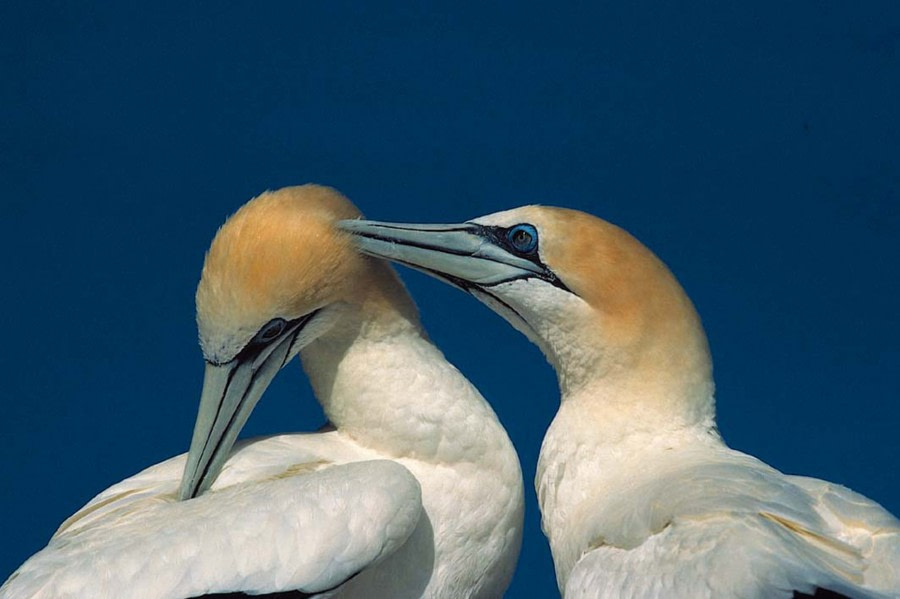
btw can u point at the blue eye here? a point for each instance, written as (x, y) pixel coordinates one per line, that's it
(270, 331)
(523, 238)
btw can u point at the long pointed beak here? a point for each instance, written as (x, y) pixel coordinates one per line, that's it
(230, 392)
(466, 255)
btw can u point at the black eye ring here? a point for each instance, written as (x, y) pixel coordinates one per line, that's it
(523, 238)
(270, 331)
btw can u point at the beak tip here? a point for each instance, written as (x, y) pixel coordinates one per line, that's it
(352, 225)
(185, 491)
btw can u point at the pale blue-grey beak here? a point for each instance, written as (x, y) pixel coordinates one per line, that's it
(230, 392)
(468, 255)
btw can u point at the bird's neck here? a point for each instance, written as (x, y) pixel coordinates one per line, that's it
(626, 392)
(620, 399)
(629, 369)
(382, 382)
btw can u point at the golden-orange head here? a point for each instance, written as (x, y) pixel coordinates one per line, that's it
(280, 256)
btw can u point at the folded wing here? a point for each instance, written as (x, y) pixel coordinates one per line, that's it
(309, 527)
(729, 525)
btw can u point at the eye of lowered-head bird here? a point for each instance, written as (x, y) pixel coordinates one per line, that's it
(414, 490)
(639, 495)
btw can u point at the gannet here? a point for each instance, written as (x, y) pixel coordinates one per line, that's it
(639, 495)
(414, 491)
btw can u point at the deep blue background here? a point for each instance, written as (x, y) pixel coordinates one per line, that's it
(755, 148)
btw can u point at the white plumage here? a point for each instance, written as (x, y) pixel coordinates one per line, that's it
(682, 515)
(319, 528)
(415, 491)
(640, 496)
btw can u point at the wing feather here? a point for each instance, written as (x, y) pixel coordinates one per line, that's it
(728, 525)
(309, 530)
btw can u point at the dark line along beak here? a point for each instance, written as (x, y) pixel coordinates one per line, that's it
(230, 392)
(467, 255)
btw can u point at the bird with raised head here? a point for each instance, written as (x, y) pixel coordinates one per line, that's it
(639, 494)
